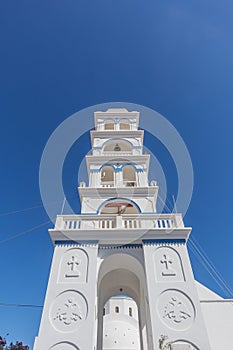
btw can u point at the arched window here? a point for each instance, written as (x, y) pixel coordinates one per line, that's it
(104, 311)
(119, 146)
(107, 177)
(129, 176)
(119, 207)
(117, 309)
(124, 125)
(130, 312)
(109, 125)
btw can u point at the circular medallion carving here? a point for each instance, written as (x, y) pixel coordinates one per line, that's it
(67, 311)
(176, 310)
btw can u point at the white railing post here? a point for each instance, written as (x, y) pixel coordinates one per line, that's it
(59, 223)
(119, 221)
(179, 220)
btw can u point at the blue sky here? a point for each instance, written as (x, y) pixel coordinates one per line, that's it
(58, 57)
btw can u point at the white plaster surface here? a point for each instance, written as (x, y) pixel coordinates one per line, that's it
(121, 331)
(218, 316)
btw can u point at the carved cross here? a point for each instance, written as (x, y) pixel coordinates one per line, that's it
(167, 262)
(73, 263)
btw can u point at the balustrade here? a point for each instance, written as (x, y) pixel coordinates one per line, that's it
(125, 221)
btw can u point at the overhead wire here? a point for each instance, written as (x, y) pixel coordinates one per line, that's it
(193, 244)
(226, 290)
(21, 305)
(200, 260)
(20, 210)
(31, 229)
(194, 241)
(209, 266)
(34, 207)
(204, 259)
(8, 239)
(19, 235)
(164, 203)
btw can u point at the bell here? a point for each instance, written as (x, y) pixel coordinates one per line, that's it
(117, 148)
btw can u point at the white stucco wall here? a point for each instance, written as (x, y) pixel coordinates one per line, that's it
(218, 316)
(120, 331)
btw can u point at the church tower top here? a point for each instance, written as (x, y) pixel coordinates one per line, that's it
(116, 115)
(118, 195)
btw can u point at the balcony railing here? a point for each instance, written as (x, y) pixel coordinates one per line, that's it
(107, 184)
(125, 183)
(126, 221)
(129, 183)
(117, 153)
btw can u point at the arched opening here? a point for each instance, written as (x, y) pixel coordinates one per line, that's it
(129, 176)
(119, 207)
(128, 287)
(121, 330)
(107, 176)
(184, 345)
(109, 125)
(120, 146)
(124, 125)
(64, 346)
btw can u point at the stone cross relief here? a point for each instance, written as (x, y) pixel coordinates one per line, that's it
(73, 265)
(168, 271)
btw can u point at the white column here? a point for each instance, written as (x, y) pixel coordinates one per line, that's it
(118, 178)
(100, 125)
(173, 301)
(117, 125)
(69, 314)
(94, 179)
(142, 179)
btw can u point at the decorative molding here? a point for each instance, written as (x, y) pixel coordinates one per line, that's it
(168, 265)
(120, 246)
(68, 310)
(74, 266)
(82, 244)
(118, 167)
(176, 310)
(164, 242)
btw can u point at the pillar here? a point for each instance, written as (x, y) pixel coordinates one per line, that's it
(69, 314)
(174, 306)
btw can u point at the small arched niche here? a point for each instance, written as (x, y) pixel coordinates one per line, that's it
(107, 176)
(121, 146)
(124, 125)
(119, 207)
(109, 125)
(129, 176)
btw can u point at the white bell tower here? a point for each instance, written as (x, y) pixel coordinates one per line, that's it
(120, 245)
